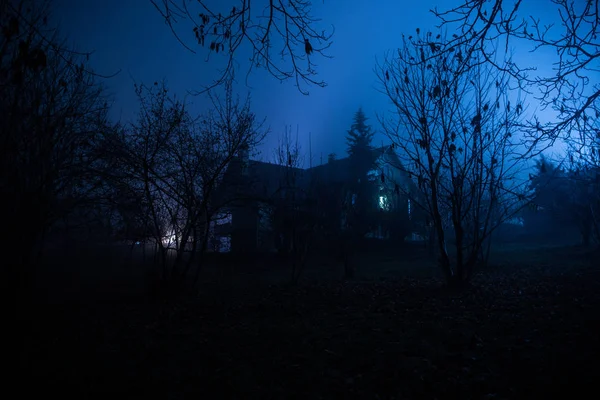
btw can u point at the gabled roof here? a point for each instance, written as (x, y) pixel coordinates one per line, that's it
(260, 181)
(263, 179)
(339, 170)
(268, 177)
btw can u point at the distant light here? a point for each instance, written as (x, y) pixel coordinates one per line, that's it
(169, 239)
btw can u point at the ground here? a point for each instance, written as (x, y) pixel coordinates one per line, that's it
(527, 328)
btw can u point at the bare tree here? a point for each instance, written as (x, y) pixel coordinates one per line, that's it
(52, 111)
(292, 212)
(572, 90)
(455, 134)
(227, 129)
(172, 164)
(33, 16)
(282, 36)
(145, 168)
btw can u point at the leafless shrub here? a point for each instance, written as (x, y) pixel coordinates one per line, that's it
(456, 135)
(172, 164)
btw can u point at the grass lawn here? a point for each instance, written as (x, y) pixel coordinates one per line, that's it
(528, 328)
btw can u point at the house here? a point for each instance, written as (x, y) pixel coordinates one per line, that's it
(253, 188)
(246, 197)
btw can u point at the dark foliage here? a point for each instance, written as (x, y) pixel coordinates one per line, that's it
(563, 199)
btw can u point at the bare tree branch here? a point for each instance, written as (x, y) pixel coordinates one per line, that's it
(174, 163)
(286, 25)
(454, 132)
(33, 17)
(573, 91)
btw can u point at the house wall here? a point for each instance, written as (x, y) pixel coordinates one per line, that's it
(393, 176)
(244, 233)
(251, 229)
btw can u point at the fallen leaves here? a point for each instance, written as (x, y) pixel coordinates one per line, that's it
(514, 330)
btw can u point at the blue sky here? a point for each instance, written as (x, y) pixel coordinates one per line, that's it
(130, 36)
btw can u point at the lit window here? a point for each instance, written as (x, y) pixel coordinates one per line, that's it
(384, 203)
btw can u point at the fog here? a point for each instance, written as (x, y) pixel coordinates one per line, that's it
(301, 199)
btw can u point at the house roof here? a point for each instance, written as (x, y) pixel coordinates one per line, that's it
(264, 179)
(267, 177)
(260, 181)
(339, 170)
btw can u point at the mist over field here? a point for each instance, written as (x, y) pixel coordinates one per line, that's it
(298, 199)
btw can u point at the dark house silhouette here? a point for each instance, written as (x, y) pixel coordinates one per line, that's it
(250, 188)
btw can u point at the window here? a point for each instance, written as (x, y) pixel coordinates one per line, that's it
(224, 244)
(384, 203)
(223, 218)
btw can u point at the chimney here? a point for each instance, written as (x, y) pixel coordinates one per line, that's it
(244, 156)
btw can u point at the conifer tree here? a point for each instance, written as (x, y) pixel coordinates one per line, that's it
(362, 157)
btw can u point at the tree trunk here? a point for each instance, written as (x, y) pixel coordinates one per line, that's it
(20, 301)
(202, 251)
(444, 259)
(346, 252)
(595, 226)
(348, 268)
(444, 263)
(190, 261)
(185, 236)
(431, 241)
(586, 233)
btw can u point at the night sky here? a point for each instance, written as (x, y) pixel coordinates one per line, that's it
(131, 36)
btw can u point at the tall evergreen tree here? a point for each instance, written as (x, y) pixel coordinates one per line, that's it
(359, 139)
(362, 156)
(360, 135)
